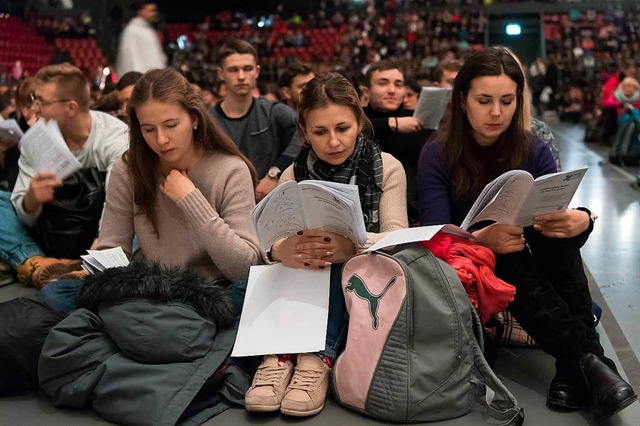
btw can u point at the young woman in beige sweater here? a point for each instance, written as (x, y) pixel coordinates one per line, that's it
(183, 189)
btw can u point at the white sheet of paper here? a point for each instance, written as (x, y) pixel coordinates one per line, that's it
(285, 311)
(110, 258)
(45, 146)
(431, 105)
(403, 236)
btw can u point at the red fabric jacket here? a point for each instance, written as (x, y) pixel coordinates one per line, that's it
(610, 86)
(474, 265)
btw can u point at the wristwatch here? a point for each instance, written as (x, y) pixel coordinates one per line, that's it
(274, 173)
(592, 218)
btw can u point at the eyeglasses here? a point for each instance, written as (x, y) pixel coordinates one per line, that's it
(38, 100)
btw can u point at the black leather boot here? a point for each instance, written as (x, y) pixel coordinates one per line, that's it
(567, 393)
(608, 392)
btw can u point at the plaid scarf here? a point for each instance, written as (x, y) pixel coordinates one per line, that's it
(363, 168)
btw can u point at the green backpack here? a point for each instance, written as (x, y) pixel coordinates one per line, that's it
(414, 346)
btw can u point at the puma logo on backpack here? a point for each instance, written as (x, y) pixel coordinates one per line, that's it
(358, 286)
(422, 359)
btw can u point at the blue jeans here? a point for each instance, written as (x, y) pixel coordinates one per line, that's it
(237, 291)
(16, 245)
(61, 295)
(338, 316)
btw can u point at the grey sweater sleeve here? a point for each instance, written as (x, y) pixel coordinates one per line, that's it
(285, 121)
(27, 172)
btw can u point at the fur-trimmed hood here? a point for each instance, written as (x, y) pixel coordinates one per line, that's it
(161, 284)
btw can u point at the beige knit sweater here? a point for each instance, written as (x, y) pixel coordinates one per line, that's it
(209, 231)
(393, 201)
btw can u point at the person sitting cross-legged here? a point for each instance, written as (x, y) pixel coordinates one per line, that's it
(337, 149)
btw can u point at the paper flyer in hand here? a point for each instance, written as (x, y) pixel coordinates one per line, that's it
(44, 145)
(431, 106)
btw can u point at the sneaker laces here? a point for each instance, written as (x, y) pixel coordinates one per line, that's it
(306, 380)
(33, 267)
(269, 375)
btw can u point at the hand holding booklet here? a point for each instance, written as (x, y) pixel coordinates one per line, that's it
(311, 204)
(99, 260)
(285, 309)
(431, 106)
(44, 144)
(515, 197)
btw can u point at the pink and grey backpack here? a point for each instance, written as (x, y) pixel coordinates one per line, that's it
(414, 350)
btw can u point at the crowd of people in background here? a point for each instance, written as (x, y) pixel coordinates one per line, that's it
(53, 27)
(583, 49)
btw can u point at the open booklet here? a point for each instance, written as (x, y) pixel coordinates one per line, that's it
(44, 145)
(10, 133)
(99, 260)
(431, 105)
(515, 197)
(310, 204)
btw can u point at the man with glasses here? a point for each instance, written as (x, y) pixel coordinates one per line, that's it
(96, 139)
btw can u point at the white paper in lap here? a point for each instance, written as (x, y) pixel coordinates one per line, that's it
(285, 311)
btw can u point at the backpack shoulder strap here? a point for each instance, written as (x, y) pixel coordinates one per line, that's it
(500, 404)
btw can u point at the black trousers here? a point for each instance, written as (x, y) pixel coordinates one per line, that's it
(552, 301)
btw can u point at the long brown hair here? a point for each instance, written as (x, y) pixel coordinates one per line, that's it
(456, 138)
(168, 86)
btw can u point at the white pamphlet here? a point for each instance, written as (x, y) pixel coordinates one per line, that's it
(431, 106)
(99, 260)
(310, 204)
(416, 234)
(44, 145)
(285, 311)
(515, 197)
